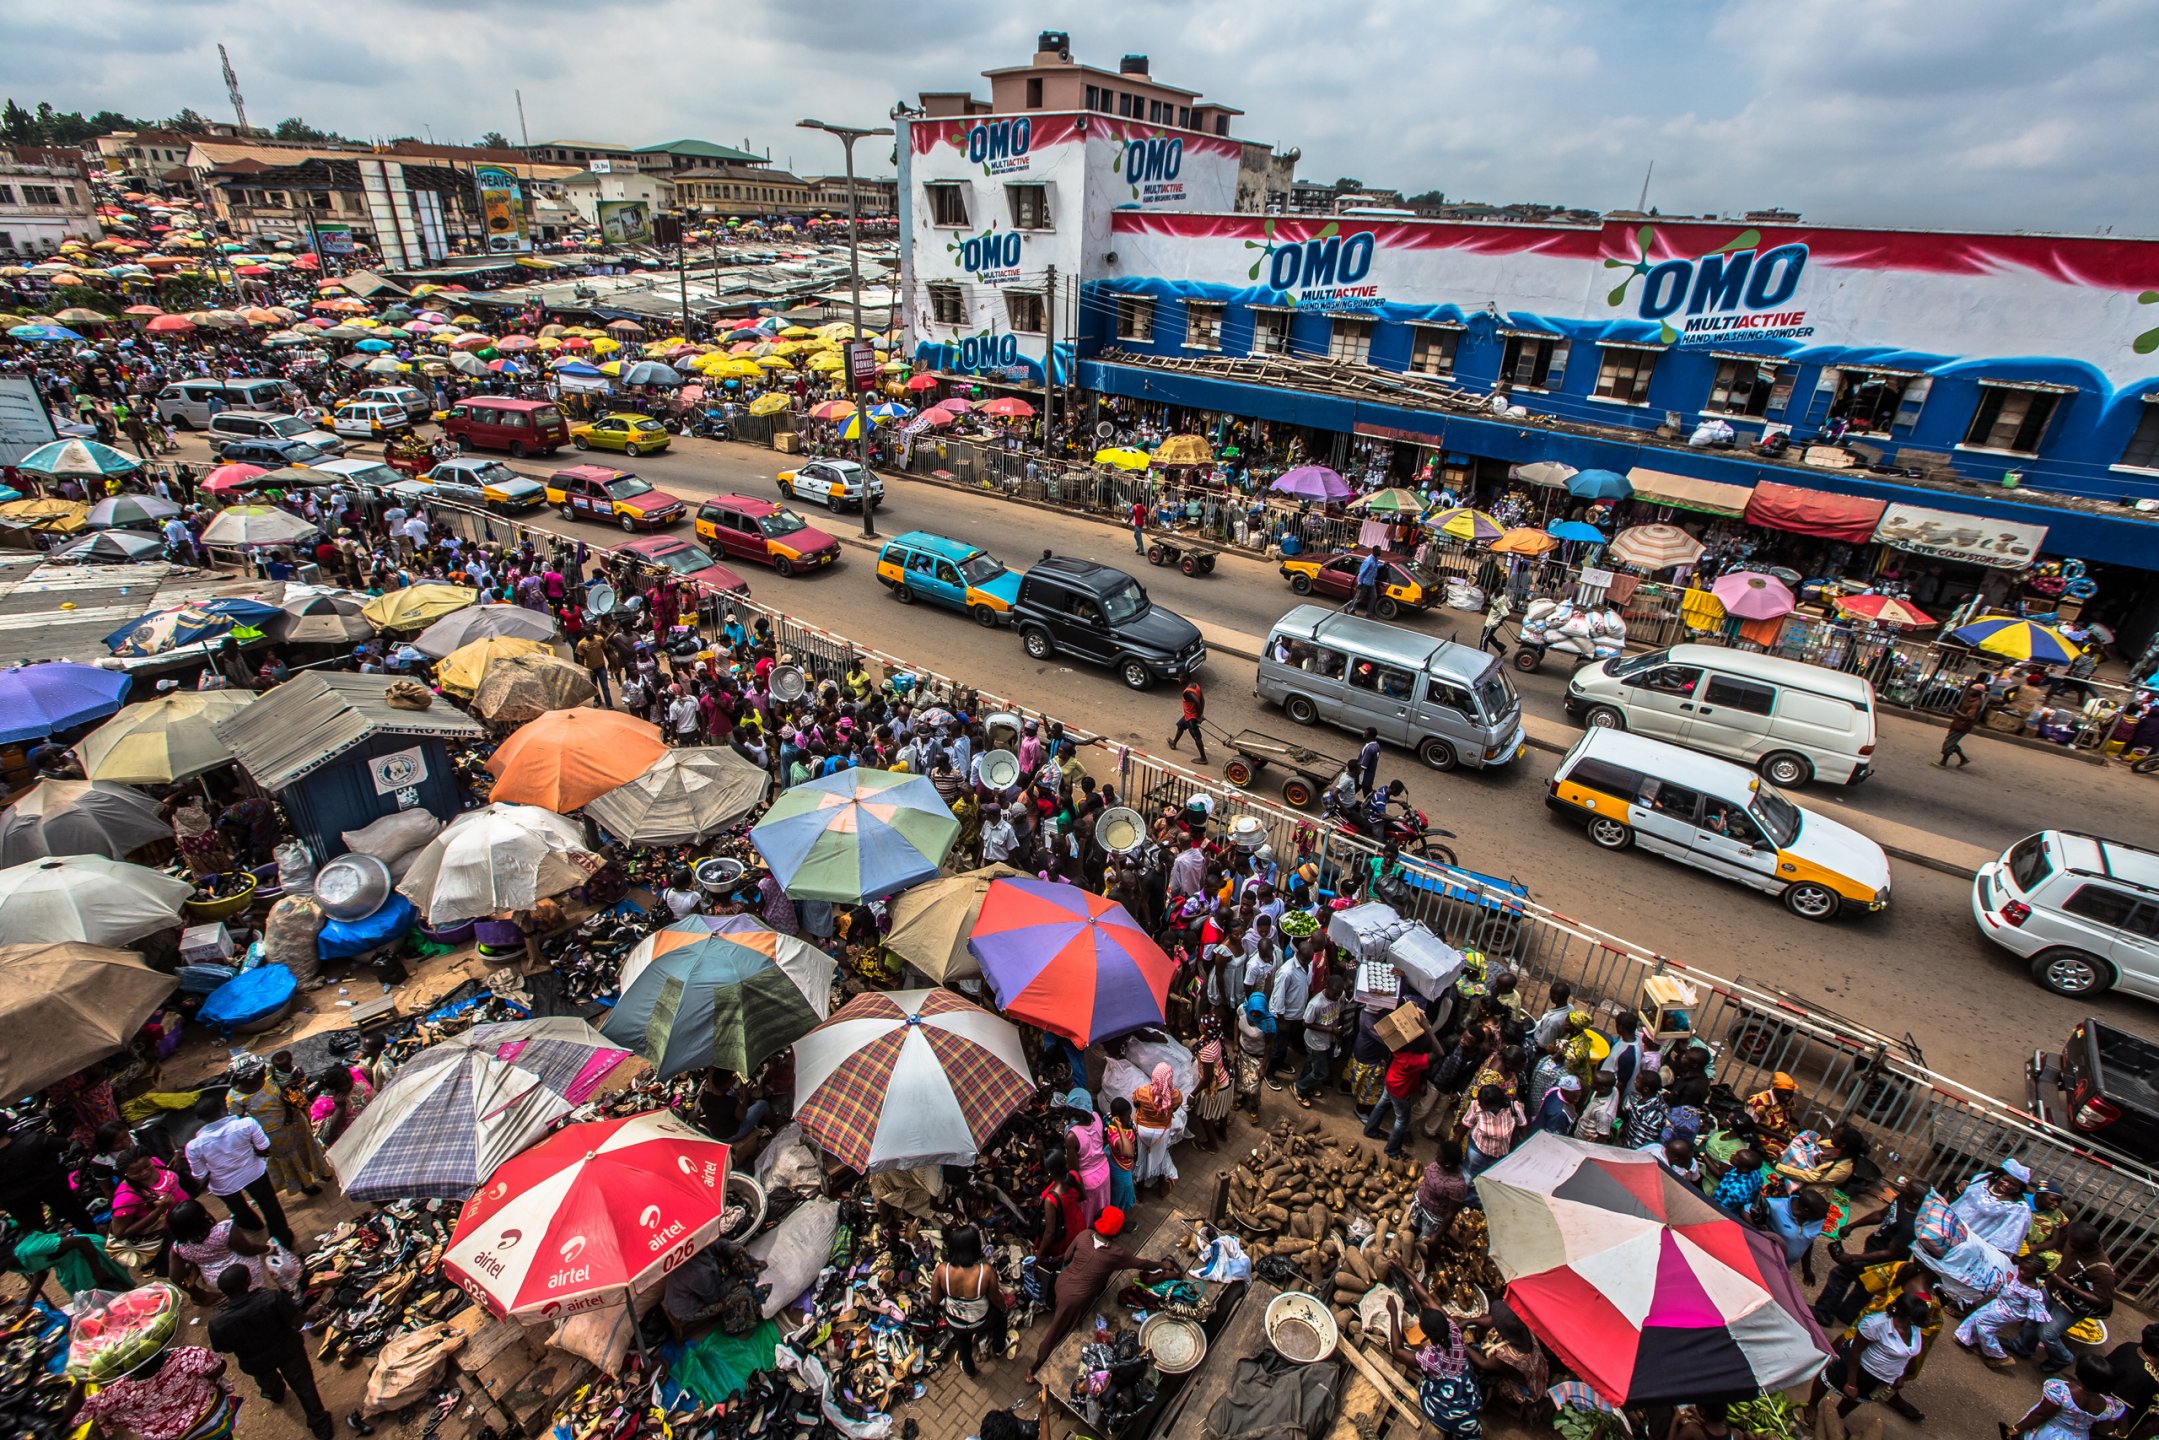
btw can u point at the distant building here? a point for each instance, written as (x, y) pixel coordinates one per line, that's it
(44, 199)
(873, 197)
(585, 191)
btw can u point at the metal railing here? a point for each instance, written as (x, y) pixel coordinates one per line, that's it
(1920, 1122)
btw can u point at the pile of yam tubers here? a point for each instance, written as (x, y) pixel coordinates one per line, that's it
(1297, 1195)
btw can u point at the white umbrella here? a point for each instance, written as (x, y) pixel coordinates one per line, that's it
(86, 897)
(1655, 547)
(255, 525)
(503, 858)
(163, 741)
(483, 622)
(685, 795)
(78, 817)
(447, 1118)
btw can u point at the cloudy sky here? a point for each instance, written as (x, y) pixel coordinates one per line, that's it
(1988, 114)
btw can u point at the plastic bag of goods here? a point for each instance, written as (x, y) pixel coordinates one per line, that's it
(1538, 611)
(111, 1332)
(794, 1250)
(1365, 931)
(295, 867)
(288, 935)
(407, 1368)
(1711, 433)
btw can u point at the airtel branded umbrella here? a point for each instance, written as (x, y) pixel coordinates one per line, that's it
(589, 1217)
(1645, 1289)
(1751, 596)
(1886, 609)
(902, 1078)
(447, 1120)
(1655, 547)
(931, 924)
(1068, 960)
(858, 835)
(36, 700)
(1311, 482)
(701, 995)
(78, 817)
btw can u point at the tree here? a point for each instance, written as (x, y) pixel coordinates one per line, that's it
(494, 140)
(188, 122)
(292, 127)
(107, 121)
(1430, 199)
(1344, 185)
(18, 124)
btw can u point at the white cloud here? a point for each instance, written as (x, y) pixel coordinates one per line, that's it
(1983, 114)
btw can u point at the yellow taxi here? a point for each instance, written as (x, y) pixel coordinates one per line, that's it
(1335, 576)
(633, 435)
(1716, 816)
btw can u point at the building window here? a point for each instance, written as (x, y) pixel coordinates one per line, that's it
(1202, 325)
(40, 195)
(1221, 124)
(1184, 117)
(1533, 362)
(1623, 374)
(1030, 206)
(948, 204)
(946, 306)
(2142, 452)
(2010, 419)
(1742, 387)
(1434, 350)
(1270, 332)
(1349, 342)
(1094, 97)
(1024, 309)
(1135, 318)
(7, 195)
(1034, 93)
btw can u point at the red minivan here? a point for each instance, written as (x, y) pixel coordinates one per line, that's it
(522, 427)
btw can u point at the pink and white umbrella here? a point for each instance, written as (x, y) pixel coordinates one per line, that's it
(1753, 597)
(589, 1216)
(1655, 547)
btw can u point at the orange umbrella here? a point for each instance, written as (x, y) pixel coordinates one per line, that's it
(832, 410)
(1524, 541)
(567, 757)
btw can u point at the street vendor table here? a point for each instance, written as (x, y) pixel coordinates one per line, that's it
(1234, 1317)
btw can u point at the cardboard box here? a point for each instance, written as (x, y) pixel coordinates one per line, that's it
(1401, 1026)
(787, 442)
(206, 944)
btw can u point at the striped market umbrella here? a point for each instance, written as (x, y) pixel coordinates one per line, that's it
(131, 510)
(110, 547)
(570, 1057)
(445, 1122)
(1886, 609)
(902, 1078)
(1069, 961)
(1655, 547)
(589, 1217)
(858, 835)
(695, 995)
(1392, 501)
(1464, 523)
(2017, 639)
(163, 741)
(1645, 1289)
(78, 460)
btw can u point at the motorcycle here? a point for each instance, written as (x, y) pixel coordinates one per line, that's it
(2146, 766)
(1409, 828)
(708, 424)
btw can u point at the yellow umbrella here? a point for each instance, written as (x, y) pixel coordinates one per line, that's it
(768, 404)
(603, 345)
(461, 671)
(1184, 450)
(547, 342)
(416, 606)
(612, 367)
(837, 330)
(824, 362)
(775, 362)
(1123, 457)
(51, 516)
(735, 370)
(796, 332)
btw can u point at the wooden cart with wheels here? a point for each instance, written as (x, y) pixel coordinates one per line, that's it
(1315, 770)
(1188, 553)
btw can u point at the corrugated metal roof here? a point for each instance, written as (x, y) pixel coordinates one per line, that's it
(312, 719)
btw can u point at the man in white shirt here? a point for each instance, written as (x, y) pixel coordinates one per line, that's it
(415, 531)
(226, 1155)
(1325, 1017)
(682, 718)
(1287, 995)
(999, 839)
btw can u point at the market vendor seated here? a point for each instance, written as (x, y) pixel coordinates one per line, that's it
(715, 1289)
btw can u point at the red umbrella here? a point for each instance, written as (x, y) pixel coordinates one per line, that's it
(937, 417)
(232, 477)
(925, 382)
(1009, 406)
(957, 405)
(1887, 609)
(589, 1216)
(170, 325)
(1069, 961)
(142, 310)
(306, 262)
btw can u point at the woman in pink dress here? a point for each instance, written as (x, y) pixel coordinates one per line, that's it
(1089, 1159)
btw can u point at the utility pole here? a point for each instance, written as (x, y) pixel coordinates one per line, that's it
(849, 134)
(1642, 205)
(232, 88)
(1049, 360)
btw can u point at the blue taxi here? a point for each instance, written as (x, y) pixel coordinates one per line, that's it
(919, 565)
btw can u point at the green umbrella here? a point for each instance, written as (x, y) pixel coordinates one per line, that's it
(718, 990)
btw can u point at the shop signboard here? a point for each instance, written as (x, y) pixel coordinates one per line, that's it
(502, 209)
(333, 237)
(862, 364)
(1966, 539)
(625, 222)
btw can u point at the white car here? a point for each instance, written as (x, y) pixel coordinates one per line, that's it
(477, 480)
(414, 403)
(2083, 911)
(369, 419)
(834, 484)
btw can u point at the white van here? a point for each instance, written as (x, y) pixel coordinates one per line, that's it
(1791, 721)
(186, 403)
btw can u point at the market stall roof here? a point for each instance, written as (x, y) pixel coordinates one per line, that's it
(366, 283)
(1850, 518)
(1711, 497)
(307, 722)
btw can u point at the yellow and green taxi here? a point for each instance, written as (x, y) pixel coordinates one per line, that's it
(1719, 817)
(631, 434)
(1335, 576)
(944, 571)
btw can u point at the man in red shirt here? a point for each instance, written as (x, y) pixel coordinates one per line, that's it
(1195, 710)
(1138, 518)
(1405, 1081)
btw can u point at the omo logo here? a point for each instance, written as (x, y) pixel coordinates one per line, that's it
(986, 351)
(998, 146)
(986, 252)
(1733, 277)
(1149, 159)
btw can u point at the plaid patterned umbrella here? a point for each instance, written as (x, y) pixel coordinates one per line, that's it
(570, 1057)
(447, 1118)
(696, 994)
(908, 1077)
(858, 835)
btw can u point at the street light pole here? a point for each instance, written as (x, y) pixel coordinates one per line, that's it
(849, 134)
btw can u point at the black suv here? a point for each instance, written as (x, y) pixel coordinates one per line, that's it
(1103, 616)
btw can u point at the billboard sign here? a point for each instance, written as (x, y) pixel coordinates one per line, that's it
(333, 237)
(502, 209)
(862, 364)
(625, 222)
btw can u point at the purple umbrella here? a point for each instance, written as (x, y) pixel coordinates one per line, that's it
(36, 700)
(1067, 960)
(1312, 482)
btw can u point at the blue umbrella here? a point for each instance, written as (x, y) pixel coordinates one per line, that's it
(201, 620)
(1575, 530)
(579, 367)
(652, 372)
(36, 700)
(374, 347)
(1599, 485)
(78, 460)
(858, 835)
(43, 333)
(890, 410)
(851, 427)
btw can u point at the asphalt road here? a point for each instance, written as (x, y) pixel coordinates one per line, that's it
(1919, 967)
